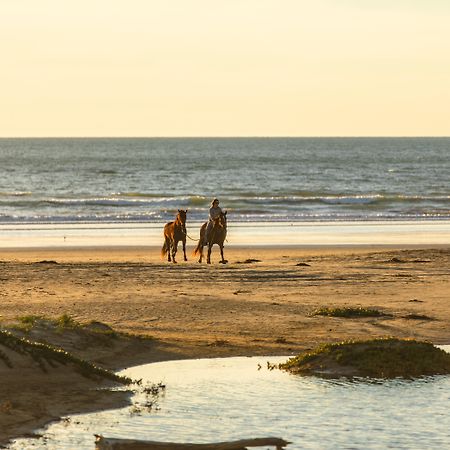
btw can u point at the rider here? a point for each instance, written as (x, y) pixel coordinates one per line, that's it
(214, 212)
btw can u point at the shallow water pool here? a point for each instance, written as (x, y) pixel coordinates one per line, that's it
(232, 398)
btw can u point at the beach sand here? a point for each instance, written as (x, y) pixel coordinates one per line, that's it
(260, 303)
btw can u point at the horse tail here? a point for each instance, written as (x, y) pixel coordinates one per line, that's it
(198, 249)
(164, 250)
(200, 245)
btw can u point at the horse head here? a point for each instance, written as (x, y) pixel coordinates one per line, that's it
(221, 221)
(181, 217)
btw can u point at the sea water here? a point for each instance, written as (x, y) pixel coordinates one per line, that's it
(213, 400)
(283, 190)
(256, 179)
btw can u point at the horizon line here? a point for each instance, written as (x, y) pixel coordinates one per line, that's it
(235, 137)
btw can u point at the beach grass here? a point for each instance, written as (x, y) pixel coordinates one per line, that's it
(48, 355)
(66, 322)
(378, 358)
(348, 312)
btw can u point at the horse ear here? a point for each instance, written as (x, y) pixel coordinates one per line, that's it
(186, 211)
(225, 213)
(179, 210)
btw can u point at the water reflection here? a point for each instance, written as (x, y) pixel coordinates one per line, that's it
(227, 399)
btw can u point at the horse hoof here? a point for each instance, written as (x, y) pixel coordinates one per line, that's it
(225, 261)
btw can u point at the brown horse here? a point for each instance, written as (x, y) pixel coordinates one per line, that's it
(175, 232)
(217, 236)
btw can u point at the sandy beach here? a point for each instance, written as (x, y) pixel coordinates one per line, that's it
(312, 139)
(261, 303)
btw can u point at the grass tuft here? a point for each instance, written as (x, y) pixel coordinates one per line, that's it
(65, 321)
(31, 320)
(349, 312)
(26, 323)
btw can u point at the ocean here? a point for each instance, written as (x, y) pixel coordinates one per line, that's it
(100, 181)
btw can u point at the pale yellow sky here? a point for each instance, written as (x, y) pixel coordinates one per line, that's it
(225, 68)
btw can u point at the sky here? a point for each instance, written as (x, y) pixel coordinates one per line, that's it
(224, 68)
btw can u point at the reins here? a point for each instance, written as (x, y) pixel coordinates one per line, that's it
(185, 232)
(192, 239)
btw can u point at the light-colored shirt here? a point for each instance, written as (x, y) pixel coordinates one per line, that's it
(214, 212)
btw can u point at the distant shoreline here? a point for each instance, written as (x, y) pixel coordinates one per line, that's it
(241, 234)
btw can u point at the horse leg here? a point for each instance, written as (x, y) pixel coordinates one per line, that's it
(208, 259)
(168, 247)
(224, 261)
(200, 251)
(184, 249)
(174, 250)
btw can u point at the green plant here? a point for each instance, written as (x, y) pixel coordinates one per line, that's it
(383, 357)
(26, 323)
(65, 321)
(31, 319)
(348, 312)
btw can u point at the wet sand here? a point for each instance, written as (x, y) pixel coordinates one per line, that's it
(260, 303)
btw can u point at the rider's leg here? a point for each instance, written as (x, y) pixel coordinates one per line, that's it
(208, 232)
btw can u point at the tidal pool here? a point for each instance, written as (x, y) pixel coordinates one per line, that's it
(232, 398)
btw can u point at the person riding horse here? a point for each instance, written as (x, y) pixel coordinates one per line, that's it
(213, 232)
(214, 213)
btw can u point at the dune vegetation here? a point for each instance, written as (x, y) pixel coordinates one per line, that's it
(48, 356)
(377, 358)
